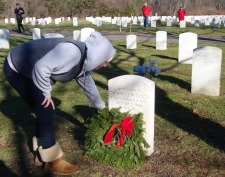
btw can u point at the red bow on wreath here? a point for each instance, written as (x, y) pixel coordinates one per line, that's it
(127, 126)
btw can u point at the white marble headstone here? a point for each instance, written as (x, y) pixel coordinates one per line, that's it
(169, 22)
(183, 24)
(114, 21)
(135, 21)
(13, 20)
(57, 21)
(206, 71)
(131, 41)
(187, 42)
(161, 40)
(153, 23)
(192, 20)
(216, 24)
(53, 35)
(43, 22)
(207, 22)
(4, 39)
(124, 22)
(33, 22)
(119, 22)
(75, 22)
(76, 35)
(135, 94)
(85, 33)
(197, 23)
(202, 20)
(26, 20)
(36, 33)
(48, 20)
(98, 23)
(6, 20)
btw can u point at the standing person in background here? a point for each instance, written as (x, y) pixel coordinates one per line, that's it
(181, 13)
(146, 10)
(19, 18)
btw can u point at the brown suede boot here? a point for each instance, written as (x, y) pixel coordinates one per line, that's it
(54, 163)
(61, 167)
(37, 158)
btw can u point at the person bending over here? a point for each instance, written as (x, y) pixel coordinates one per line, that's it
(34, 66)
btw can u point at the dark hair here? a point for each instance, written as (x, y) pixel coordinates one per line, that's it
(17, 4)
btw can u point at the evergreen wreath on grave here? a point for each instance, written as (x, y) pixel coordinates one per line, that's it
(116, 138)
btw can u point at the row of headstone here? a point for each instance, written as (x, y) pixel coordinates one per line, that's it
(187, 41)
(41, 21)
(80, 35)
(197, 23)
(140, 97)
(191, 19)
(161, 41)
(204, 60)
(206, 64)
(186, 55)
(124, 21)
(4, 37)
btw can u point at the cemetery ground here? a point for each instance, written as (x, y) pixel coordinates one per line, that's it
(189, 129)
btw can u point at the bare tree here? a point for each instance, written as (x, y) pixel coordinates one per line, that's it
(82, 8)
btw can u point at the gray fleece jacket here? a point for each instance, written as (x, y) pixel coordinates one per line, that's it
(65, 56)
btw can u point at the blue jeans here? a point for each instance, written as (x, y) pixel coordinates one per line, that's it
(145, 21)
(34, 97)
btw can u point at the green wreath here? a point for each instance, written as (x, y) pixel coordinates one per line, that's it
(126, 148)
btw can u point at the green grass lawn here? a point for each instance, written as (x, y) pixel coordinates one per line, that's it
(189, 129)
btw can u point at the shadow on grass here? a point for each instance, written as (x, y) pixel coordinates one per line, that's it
(22, 126)
(122, 45)
(79, 129)
(174, 80)
(86, 112)
(18, 40)
(207, 39)
(130, 54)
(165, 57)
(5, 171)
(148, 46)
(205, 129)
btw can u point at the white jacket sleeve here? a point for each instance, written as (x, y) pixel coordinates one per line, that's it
(88, 85)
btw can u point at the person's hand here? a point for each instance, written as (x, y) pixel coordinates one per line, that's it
(47, 102)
